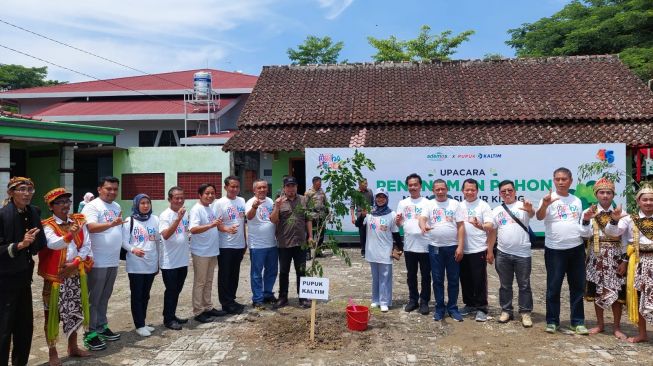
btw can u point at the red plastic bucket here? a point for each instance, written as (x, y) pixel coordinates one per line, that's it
(357, 317)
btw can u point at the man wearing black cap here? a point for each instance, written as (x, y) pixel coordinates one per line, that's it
(294, 227)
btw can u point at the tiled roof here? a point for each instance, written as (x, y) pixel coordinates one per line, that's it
(581, 87)
(531, 101)
(285, 138)
(165, 81)
(122, 106)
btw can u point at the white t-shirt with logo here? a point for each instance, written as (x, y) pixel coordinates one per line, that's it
(378, 246)
(144, 236)
(511, 237)
(206, 244)
(562, 223)
(175, 251)
(260, 230)
(105, 245)
(232, 213)
(443, 217)
(475, 238)
(414, 240)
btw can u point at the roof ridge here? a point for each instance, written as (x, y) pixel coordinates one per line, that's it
(523, 60)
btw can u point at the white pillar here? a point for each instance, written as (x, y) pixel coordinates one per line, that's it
(5, 166)
(67, 168)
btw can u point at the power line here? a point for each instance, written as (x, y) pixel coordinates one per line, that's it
(84, 74)
(90, 53)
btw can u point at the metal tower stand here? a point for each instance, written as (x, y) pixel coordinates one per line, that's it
(208, 104)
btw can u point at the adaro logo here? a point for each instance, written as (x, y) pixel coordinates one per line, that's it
(438, 156)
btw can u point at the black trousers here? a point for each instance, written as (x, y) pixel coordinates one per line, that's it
(228, 275)
(362, 235)
(413, 261)
(140, 285)
(173, 279)
(16, 324)
(473, 280)
(287, 255)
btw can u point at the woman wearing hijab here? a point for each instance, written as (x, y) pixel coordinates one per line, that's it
(139, 239)
(88, 197)
(381, 231)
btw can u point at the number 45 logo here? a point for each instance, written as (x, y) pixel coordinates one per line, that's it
(605, 155)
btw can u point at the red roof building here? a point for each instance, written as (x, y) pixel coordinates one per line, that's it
(151, 109)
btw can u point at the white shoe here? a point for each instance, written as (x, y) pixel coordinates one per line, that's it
(384, 309)
(374, 305)
(143, 332)
(150, 328)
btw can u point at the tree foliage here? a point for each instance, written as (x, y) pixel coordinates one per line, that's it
(586, 27)
(316, 50)
(341, 183)
(425, 47)
(19, 77)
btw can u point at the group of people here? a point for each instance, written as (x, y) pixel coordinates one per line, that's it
(79, 256)
(606, 255)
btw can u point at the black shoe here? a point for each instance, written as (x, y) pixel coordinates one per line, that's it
(424, 308)
(108, 335)
(283, 301)
(174, 325)
(204, 318)
(233, 309)
(239, 305)
(258, 306)
(363, 253)
(92, 342)
(181, 320)
(270, 300)
(215, 312)
(410, 306)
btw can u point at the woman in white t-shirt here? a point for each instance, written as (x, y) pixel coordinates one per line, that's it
(381, 231)
(141, 239)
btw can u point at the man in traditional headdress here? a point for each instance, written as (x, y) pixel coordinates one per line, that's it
(637, 230)
(63, 266)
(21, 237)
(605, 266)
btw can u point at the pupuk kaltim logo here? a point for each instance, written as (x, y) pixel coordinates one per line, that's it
(605, 155)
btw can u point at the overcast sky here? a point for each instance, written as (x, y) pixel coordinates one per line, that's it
(244, 35)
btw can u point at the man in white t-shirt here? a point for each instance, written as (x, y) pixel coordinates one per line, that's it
(175, 253)
(479, 246)
(104, 218)
(442, 218)
(564, 253)
(231, 209)
(204, 248)
(263, 251)
(416, 246)
(513, 259)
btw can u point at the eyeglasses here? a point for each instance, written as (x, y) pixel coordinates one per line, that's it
(29, 190)
(62, 202)
(506, 191)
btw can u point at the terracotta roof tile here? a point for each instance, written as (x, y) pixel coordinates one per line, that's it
(556, 88)
(287, 138)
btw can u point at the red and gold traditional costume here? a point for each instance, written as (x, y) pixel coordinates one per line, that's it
(65, 299)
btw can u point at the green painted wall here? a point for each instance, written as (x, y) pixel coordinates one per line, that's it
(281, 167)
(169, 160)
(44, 172)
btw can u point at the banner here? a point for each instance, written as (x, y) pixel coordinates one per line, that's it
(529, 166)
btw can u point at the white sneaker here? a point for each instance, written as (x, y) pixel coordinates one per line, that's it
(374, 305)
(384, 308)
(150, 328)
(143, 332)
(526, 320)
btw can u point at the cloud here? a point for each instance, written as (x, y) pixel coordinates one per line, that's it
(334, 7)
(150, 35)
